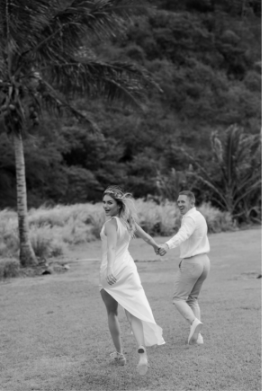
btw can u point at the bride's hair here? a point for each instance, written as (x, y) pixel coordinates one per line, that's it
(127, 210)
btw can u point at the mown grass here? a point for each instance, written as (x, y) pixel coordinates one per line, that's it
(54, 333)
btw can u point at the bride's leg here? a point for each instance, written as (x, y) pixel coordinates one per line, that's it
(114, 328)
(137, 328)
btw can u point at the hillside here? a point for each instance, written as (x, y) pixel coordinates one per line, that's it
(205, 57)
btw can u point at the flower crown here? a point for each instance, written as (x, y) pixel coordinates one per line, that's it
(117, 194)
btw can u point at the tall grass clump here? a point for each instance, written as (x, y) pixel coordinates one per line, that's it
(217, 221)
(79, 223)
(52, 230)
(9, 268)
(155, 219)
(165, 219)
(46, 242)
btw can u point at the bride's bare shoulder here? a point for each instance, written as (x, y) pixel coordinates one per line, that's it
(111, 224)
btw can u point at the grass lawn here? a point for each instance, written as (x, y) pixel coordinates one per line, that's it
(54, 335)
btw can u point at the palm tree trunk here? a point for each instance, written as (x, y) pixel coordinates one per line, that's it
(27, 256)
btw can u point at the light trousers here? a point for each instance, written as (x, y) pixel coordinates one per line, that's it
(188, 283)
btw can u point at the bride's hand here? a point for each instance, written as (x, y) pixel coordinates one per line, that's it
(111, 279)
(156, 248)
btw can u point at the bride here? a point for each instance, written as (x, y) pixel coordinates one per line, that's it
(119, 279)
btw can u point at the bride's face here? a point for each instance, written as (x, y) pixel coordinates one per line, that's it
(110, 206)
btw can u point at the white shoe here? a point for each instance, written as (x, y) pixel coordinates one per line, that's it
(195, 329)
(200, 339)
(118, 358)
(142, 365)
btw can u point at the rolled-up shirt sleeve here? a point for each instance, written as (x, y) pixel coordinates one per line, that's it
(187, 228)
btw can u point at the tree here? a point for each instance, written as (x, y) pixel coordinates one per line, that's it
(45, 61)
(235, 177)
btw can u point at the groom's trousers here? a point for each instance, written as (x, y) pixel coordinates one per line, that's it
(188, 282)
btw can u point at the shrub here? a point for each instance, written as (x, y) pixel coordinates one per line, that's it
(217, 221)
(76, 232)
(157, 219)
(9, 268)
(46, 242)
(164, 219)
(234, 176)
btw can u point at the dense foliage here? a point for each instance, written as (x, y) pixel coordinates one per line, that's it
(205, 57)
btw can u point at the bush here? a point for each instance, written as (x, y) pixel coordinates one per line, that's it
(165, 219)
(217, 221)
(9, 268)
(162, 220)
(52, 229)
(46, 242)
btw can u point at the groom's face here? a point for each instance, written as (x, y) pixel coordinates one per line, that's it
(184, 204)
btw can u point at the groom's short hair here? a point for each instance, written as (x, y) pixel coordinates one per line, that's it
(189, 195)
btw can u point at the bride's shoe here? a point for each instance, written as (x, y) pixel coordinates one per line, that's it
(142, 365)
(118, 358)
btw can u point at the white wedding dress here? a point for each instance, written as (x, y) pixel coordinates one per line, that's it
(127, 290)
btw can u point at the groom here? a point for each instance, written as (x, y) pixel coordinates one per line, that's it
(194, 266)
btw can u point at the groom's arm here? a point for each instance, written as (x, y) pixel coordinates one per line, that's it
(186, 230)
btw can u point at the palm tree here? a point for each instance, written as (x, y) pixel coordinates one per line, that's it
(45, 60)
(235, 177)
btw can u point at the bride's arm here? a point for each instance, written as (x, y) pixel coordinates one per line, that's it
(111, 234)
(147, 238)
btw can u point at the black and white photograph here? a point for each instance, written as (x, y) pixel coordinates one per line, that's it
(130, 195)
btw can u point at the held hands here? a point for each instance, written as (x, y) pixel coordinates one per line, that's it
(111, 279)
(156, 248)
(162, 250)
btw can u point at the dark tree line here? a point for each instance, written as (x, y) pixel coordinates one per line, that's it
(205, 56)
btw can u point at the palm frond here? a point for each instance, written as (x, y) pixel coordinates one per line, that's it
(54, 101)
(116, 80)
(48, 62)
(42, 28)
(255, 186)
(76, 21)
(24, 19)
(201, 168)
(222, 200)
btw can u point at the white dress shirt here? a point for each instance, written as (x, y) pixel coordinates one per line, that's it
(192, 236)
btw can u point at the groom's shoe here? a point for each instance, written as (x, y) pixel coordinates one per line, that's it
(195, 329)
(200, 339)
